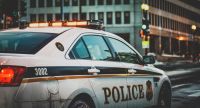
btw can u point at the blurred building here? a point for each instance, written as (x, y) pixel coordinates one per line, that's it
(122, 17)
(170, 25)
(170, 20)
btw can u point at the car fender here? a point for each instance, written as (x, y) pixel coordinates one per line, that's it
(76, 93)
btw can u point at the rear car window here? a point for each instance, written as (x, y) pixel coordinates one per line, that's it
(24, 42)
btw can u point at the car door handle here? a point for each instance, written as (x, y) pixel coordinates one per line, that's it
(132, 71)
(93, 71)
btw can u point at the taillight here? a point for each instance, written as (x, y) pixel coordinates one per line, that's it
(11, 75)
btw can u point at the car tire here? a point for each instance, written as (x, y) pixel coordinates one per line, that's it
(164, 100)
(81, 103)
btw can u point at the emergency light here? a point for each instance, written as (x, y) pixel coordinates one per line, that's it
(93, 24)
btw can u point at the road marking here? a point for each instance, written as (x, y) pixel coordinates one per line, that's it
(197, 94)
(180, 85)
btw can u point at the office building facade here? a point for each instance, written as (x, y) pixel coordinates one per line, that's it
(170, 25)
(170, 20)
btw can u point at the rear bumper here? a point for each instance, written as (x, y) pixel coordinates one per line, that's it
(7, 97)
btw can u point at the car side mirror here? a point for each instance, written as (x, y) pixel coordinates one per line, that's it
(148, 59)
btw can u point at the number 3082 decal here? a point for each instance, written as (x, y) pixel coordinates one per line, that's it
(41, 72)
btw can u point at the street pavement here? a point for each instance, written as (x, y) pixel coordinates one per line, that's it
(185, 78)
(186, 95)
(181, 71)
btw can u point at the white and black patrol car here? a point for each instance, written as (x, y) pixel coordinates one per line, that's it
(47, 66)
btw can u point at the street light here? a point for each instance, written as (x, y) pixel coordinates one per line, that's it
(145, 21)
(145, 7)
(145, 26)
(19, 12)
(194, 27)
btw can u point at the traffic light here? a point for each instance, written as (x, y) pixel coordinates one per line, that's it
(142, 33)
(145, 26)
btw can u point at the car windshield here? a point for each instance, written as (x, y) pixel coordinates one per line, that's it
(23, 42)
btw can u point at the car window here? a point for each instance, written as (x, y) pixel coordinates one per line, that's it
(23, 42)
(97, 48)
(79, 51)
(123, 52)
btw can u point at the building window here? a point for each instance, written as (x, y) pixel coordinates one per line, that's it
(92, 16)
(153, 19)
(109, 2)
(58, 17)
(83, 2)
(83, 16)
(57, 3)
(49, 3)
(49, 17)
(66, 2)
(32, 3)
(126, 1)
(74, 16)
(101, 16)
(117, 2)
(100, 2)
(66, 16)
(109, 17)
(33, 17)
(91, 2)
(118, 17)
(41, 3)
(127, 17)
(74, 2)
(41, 17)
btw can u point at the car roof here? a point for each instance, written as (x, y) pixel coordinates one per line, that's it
(56, 30)
(59, 30)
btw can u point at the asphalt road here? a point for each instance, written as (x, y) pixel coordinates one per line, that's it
(185, 78)
(186, 95)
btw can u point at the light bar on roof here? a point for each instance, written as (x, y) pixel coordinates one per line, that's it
(38, 24)
(82, 23)
(43, 24)
(57, 24)
(72, 23)
(34, 25)
(92, 24)
(76, 23)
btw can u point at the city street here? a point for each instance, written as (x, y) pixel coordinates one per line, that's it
(185, 84)
(99, 53)
(186, 95)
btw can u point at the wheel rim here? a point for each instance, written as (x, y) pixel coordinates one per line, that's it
(80, 104)
(164, 98)
(162, 103)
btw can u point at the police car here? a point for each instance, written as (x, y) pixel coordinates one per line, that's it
(66, 65)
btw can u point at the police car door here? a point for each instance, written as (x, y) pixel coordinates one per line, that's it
(139, 84)
(108, 78)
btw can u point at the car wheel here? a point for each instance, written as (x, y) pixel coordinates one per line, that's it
(80, 103)
(164, 100)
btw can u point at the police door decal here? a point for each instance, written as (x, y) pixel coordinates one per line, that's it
(121, 93)
(149, 91)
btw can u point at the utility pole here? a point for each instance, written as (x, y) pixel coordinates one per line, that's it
(61, 9)
(145, 27)
(194, 55)
(80, 10)
(4, 21)
(19, 12)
